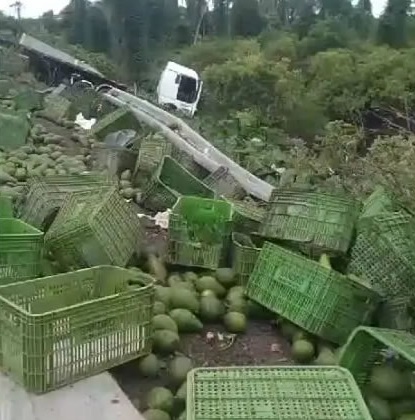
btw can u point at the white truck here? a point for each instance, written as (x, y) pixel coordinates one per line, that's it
(179, 88)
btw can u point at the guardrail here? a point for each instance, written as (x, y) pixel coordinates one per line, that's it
(189, 141)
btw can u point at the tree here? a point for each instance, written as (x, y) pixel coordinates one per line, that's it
(392, 28)
(220, 17)
(98, 31)
(245, 18)
(77, 30)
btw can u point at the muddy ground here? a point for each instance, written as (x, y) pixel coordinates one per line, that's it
(262, 344)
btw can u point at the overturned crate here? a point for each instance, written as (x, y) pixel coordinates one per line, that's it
(384, 255)
(247, 215)
(45, 196)
(368, 347)
(59, 329)
(169, 183)
(154, 147)
(21, 247)
(120, 119)
(199, 232)
(313, 221)
(95, 227)
(56, 107)
(274, 392)
(223, 183)
(318, 299)
(117, 153)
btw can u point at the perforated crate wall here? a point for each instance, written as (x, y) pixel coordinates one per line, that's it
(199, 232)
(244, 257)
(316, 298)
(368, 346)
(59, 329)
(45, 196)
(270, 393)
(247, 216)
(21, 249)
(95, 228)
(322, 222)
(113, 160)
(223, 183)
(384, 255)
(378, 202)
(170, 182)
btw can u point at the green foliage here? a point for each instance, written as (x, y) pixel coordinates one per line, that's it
(299, 84)
(392, 29)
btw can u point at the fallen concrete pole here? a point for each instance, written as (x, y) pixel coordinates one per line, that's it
(202, 151)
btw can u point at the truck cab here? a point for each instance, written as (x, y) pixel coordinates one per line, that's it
(179, 88)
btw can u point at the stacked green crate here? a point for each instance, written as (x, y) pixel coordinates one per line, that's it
(319, 222)
(199, 232)
(21, 247)
(384, 255)
(59, 329)
(169, 183)
(95, 227)
(318, 299)
(45, 196)
(274, 392)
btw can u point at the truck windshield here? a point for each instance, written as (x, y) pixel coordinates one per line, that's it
(187, 91)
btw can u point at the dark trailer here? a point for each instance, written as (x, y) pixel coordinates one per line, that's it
(54, 66)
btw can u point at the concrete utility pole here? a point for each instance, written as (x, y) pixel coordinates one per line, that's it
(18, 9)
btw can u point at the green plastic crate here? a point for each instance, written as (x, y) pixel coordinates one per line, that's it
(322, 222)
(45, 196)
(59, 329)
(14, 129)
(152, 150)
(247, 216)
(274, 393)
(113, 160)
(96, 227)
(319, 300)
(6, 207)
(120, 119)
(384, 255)
(199, 232)
(169, 183)
(368, 346)
(189, 164)
(55, 107)
(244, 257)
(223, 183)
(378, 202)
(21, 247)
